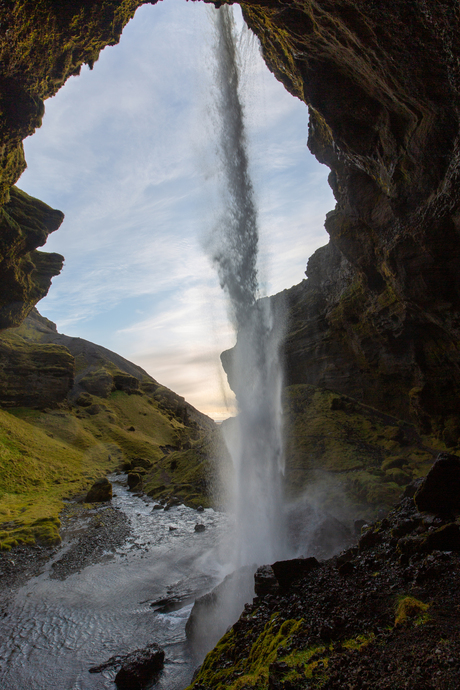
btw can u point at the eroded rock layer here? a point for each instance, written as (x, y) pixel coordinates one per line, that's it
(378, 317)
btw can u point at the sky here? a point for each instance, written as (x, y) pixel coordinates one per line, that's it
(128, 152)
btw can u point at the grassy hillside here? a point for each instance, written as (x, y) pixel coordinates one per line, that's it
(127, 421)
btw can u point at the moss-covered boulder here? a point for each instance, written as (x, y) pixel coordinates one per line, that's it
(100, 492)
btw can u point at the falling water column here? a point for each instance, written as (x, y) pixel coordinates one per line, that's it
(257, 449)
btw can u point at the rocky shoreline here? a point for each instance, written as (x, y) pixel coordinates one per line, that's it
(89, 534)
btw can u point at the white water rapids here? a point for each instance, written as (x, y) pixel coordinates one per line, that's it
(54, 631)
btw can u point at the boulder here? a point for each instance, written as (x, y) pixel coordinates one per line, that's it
(137, 668)
(84, 400)
(446, 538)
(100, 491)
(199, 527)
(287, 572)
(142, 462)
(439, 492)
(265, 581)
(134, 480)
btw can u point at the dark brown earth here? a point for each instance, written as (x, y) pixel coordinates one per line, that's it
(383, 615)
(93, 533)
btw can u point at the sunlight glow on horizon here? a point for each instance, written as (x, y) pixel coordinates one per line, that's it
(126, 151)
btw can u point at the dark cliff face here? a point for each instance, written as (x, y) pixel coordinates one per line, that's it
(381, 80)
(378, 317)
(25, 273)
(42, 43)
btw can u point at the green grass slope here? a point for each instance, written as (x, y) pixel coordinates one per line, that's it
(127, 421)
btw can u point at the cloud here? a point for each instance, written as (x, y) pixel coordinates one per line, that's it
(127, 152)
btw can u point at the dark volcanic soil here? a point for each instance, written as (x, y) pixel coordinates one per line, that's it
(384, 615)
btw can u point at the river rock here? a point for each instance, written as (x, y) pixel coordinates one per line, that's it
(137, 668)
(100, 491)
(439, 492)
(200, 527)
(134, 480)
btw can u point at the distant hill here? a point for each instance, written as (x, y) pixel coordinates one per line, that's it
(72, 411)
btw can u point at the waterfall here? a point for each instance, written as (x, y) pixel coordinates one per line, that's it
(256, 443)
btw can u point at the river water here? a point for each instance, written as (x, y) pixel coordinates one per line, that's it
(54, 630)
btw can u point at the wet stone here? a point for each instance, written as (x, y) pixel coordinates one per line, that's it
(439, 493)
(100, 492)
(265, 581)
(139, 668)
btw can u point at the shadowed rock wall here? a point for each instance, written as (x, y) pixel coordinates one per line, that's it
(378, 317)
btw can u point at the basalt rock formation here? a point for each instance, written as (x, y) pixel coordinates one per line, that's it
(378, 317)
(25, 273)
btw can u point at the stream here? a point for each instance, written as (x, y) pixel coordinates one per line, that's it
(54, 631)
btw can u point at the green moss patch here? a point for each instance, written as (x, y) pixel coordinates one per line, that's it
(410, 610)
(48, 456)
(222, 671)
(367, 457)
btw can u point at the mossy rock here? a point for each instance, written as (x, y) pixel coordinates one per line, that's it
(84, 400)
(134, 480)
(393, 461)
(397, 475)
(100, 492)
(98, 383)
(352, 445)
(46, 531)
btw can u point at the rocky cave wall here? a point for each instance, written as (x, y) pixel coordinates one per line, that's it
(378, 316)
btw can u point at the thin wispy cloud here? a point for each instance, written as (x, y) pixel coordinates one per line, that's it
(127, 152)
